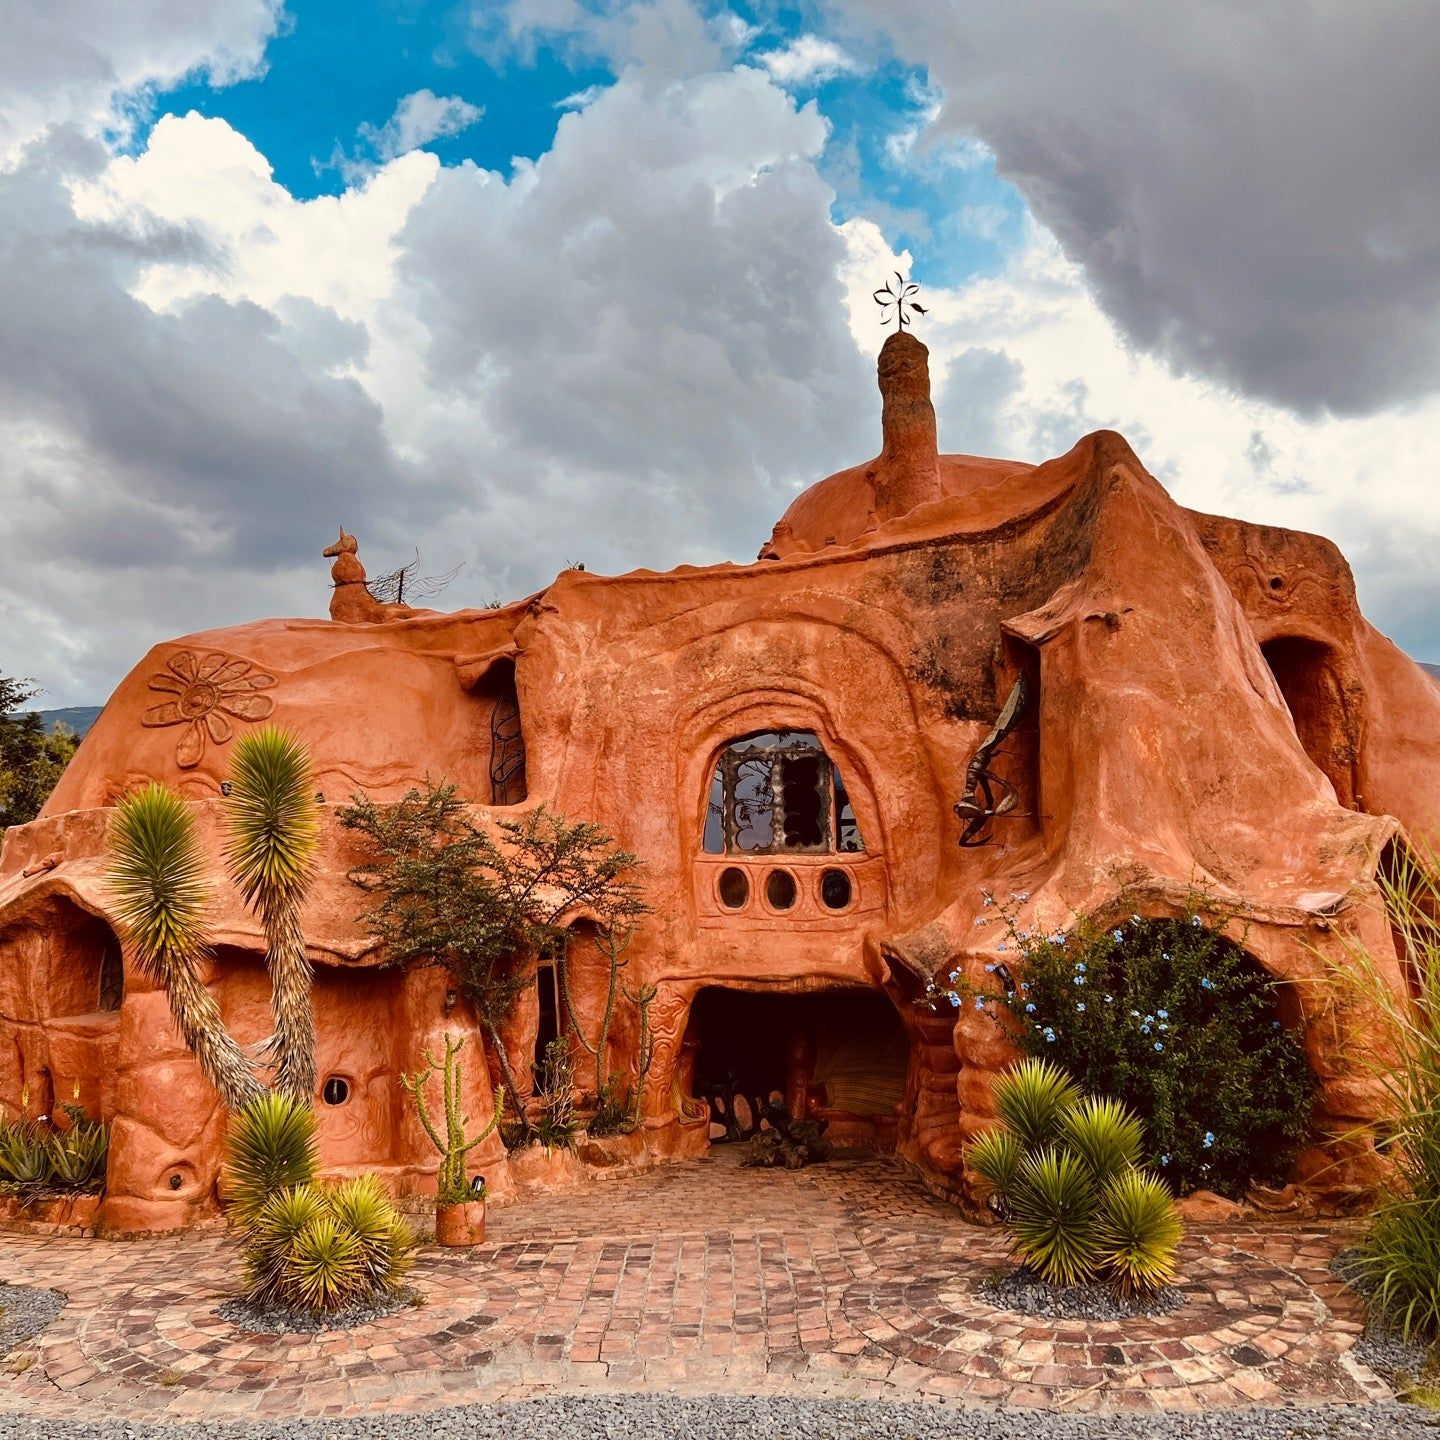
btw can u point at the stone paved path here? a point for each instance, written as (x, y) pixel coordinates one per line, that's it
(842, 1280)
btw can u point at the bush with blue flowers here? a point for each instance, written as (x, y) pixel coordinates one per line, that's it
(1171, 1018)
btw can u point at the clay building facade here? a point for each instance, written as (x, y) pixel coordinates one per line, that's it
(1182, 698)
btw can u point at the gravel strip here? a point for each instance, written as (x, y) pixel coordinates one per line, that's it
(1024, 1291)
(663, 1417)
(24, 1313)
(275, 1320)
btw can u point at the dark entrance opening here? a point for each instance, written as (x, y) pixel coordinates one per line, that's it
(1306, 675)
(837, 1055)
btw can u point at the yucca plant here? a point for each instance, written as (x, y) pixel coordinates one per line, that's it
(1137, 1233)
(383, 1239)
(271, 1150)
(1054, 1215)
(273, 1231)
(324, 1269)
(1032, 1100)
(1105, 1135)
(1061, 1170)
(996, 1157)
(157, 874)
(274, 831)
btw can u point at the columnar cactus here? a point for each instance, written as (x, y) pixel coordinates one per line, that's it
(452, 1186)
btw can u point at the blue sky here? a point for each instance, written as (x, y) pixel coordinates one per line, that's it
(335, 69)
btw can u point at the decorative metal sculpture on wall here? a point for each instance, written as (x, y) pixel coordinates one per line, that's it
(896, 304)
(989, 796)
(507, 753)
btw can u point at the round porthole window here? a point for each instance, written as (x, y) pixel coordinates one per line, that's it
(336, 1090)
(835, 889)
(734, 887)
(780, 889)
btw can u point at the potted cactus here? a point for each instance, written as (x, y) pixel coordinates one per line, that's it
(459, 1198)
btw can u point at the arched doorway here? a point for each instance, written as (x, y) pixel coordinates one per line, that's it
(840, 1055)
(1306, 673)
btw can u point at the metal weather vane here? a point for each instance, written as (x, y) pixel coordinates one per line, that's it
(896, 304)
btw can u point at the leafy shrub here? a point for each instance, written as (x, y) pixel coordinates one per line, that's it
(308, 1247)
(39, 1158)
(1072, 1195)
(555, 1128)
(1173, 1020)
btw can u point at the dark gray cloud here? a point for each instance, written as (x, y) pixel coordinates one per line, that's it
(1251, 188)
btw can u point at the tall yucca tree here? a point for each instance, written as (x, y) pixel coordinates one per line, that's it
(157, 876)
(274, 832)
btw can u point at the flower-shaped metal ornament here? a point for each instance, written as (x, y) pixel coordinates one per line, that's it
(896, 304)
(207, 690)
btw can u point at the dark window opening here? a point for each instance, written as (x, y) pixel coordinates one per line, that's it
(734, 888)
(112, 977)
(780, 889)
(778, 792)
(1306, 675)
(507, 745)
(336, 1090)
(547, 1030)
(835, 889)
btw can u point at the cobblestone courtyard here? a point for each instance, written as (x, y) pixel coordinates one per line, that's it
(845, 1280)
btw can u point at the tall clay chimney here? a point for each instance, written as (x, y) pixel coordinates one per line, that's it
(907, 473)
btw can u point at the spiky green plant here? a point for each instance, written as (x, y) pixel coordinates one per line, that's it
(996, 1157)
(452, 1187)
(1137, 1233)
(26, 1164)
(271, 1149)
(1032, 1099)
(274, 831)
(78, 1156)
(1105, 1135)
(157, 874)
(273, 1231)
(363, 1208)
(325, 1267)
(1055, 1208)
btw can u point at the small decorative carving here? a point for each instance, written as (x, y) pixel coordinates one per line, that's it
(989, 796)
(207, 691)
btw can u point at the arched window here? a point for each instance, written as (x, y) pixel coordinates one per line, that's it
(779, 793)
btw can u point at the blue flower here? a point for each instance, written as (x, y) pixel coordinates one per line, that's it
(980, 920)
(1030, 1008)
(1109, 999)
(1274, 1024)
(1077, 980)
(1209, 1139)
(1024, 988)
(954, 976)
(1080, 966)
(1145, 1028)
(1135, 1014)
(1158, 1045)
(954, 1000)
(979, 1002)
(987, 900)
(1163, 1014)
(1049, 1034)
(1081, 1007)
(990, 968)
(1165, 955)
(1195, 922)
(1117, 934)
(1164, 1159)
(1206, 983)
(1022, 934)
(1021, 895)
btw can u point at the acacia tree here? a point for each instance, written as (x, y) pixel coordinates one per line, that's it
(31, 760)
(158, 873)
(449, 893)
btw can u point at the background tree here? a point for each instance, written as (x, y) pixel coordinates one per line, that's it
(447, 893)
(31, 759)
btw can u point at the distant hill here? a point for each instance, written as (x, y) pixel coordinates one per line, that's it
(1433, 670)
(78, 718)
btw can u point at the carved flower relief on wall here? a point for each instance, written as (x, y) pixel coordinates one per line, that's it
(207, 692)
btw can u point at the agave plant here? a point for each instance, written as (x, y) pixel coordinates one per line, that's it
(157, 874)
(78, 1156)
(274, 831)
(1055, 1210)
(1032, 1100)
(1105, 1134)
(271, 1150)
(25, 1160)
(1137, 1232)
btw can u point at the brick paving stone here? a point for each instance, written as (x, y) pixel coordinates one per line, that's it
(844, 1279)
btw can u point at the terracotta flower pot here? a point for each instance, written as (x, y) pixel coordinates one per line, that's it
(460, 1224)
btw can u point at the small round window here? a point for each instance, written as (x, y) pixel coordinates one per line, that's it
(780, 889)
(835, 889)
(734, 887)
(336, 1090)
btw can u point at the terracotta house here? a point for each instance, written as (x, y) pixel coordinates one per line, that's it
(784, 744)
